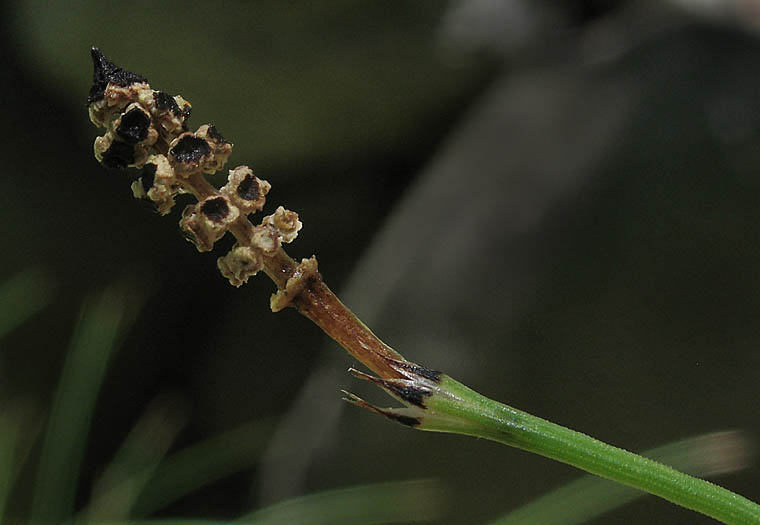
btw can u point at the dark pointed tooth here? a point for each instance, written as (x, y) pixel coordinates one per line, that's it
(105, 71)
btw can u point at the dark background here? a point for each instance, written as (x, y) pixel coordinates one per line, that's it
(556, 206)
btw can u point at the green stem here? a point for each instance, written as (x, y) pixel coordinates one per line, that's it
(453, 407)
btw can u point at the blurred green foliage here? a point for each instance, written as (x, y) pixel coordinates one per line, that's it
(139, 481)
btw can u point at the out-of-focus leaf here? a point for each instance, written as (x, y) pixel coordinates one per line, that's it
(9, 435)
(101, 323)
(395, 502)
(19, 428)
(22, 296)
(168, 521)
(197, 465)
(138, 458)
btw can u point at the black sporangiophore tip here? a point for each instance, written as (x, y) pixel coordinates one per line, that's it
(215, 209)
(248, 189)
(105, 71)
(134, 126)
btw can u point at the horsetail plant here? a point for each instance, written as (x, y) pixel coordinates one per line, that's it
(148, 130)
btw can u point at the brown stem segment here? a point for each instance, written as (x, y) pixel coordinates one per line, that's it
(318, 303)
